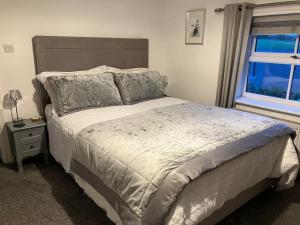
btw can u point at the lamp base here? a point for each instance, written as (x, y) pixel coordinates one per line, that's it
(18, 123)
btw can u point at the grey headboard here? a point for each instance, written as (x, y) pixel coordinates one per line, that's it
(81, 53)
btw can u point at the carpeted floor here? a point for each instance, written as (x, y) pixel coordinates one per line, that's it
(47, 196)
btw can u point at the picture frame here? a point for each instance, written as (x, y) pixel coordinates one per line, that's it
(195, 26)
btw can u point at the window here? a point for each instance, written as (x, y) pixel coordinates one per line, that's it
(268, 79)
(274, 67)
(295, 91)
(276, 43)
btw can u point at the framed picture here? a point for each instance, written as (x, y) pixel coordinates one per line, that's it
(195, 26)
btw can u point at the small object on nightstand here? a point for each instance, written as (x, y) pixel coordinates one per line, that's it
(14, 96)
(35, 118)
(28, 140)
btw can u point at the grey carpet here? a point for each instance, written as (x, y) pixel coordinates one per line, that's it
(47, 196)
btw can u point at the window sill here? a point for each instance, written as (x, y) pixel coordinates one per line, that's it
(267, 105)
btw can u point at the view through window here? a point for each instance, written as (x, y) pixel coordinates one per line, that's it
(274, 67)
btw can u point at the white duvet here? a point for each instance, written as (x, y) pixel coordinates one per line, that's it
(193, 205)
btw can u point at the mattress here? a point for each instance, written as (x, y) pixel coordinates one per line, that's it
(192, 206)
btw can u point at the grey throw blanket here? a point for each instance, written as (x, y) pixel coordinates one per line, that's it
(141, 163)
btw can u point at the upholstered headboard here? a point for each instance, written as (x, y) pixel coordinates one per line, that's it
(81, 53)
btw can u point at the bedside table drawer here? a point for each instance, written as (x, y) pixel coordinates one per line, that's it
(28, 140)
(31, 148)
(30, 136)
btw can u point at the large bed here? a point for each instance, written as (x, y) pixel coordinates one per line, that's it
(206, 198)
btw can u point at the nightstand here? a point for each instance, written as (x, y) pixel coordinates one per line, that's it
(28, 140)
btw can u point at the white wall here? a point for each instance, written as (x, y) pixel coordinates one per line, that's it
(21, 20)
(193, 69)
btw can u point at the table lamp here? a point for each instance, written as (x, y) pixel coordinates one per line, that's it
(14, 96)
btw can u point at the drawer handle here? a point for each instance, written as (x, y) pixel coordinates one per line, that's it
(30, 134)
(31, 147)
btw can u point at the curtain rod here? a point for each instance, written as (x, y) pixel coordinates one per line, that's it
(266, 5)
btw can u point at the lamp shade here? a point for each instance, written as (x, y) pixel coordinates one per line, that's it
(15, 95)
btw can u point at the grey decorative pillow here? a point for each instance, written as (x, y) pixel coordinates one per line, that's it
(137, 87)
(78, 92)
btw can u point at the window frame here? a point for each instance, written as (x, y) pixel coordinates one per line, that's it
(279, 58)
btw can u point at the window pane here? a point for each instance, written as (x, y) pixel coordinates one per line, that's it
(295, 91)
(283, 43)
(268, 79)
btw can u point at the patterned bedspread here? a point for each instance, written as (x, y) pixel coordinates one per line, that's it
(141, 163)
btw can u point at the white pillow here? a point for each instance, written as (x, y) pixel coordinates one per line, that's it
(42, 77)
(109, 69)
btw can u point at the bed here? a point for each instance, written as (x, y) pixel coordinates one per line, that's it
(206, 199)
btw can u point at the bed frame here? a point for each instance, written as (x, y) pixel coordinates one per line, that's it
(81, 53)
